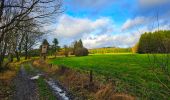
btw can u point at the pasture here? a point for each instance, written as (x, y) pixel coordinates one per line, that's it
(131, 73)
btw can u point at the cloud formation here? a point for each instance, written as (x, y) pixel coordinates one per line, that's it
(71, 27)
(91, 3)
(106, 40)
(131, 23)
(151, 3)
(94, 33)
(128, 19)
(102, 32)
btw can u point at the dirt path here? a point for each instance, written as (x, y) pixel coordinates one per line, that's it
(25, 88)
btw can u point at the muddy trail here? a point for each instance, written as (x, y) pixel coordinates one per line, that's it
(24, 88)
(26, 85)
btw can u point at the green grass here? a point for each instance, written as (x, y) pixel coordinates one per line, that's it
(132, 73)
(28, 69)
(45, 92)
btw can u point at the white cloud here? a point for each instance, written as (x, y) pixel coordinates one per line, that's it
(131, 23)
(104, 40)
(92, 4)
(101, 32)
(128, 39)
(150, 3)
(71, 27)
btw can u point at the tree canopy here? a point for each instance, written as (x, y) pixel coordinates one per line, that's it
(154, 42)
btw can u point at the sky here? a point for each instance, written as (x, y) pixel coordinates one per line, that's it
(109, 23)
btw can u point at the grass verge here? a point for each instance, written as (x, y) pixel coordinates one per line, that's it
(44, 90)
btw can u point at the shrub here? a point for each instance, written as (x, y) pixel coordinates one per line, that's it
(81, 52)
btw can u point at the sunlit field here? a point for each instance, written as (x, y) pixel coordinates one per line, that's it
(132, 73)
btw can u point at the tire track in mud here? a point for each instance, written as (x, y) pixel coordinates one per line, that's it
(59, 91)
(24, 88)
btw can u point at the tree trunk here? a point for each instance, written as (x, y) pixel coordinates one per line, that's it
(26, 53)
(55, 54)
(2, 55)
(1, 9)
(1, 61)
(26, 47)
(17, 55)
(10, 57)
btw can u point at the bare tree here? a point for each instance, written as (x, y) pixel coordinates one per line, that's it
(15, 27)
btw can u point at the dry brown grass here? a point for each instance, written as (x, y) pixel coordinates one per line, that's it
(5, 81)
(7, 75)
(78, 83)
(49, 69)
(122, 97)
(106, 92)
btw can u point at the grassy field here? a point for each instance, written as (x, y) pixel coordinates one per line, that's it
(132, 73)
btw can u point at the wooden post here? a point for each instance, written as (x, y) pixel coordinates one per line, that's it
(51, 65)
(91, 76)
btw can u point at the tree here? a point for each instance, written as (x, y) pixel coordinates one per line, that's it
(22, 20)
(45, 42)
(155, 42)
(135, 48)
(66, 50)
(79, 49)
(80, 44)
(55, 46)
(81, 52)
(32, 34)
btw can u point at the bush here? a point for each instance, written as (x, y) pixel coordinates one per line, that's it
(81, 52)
(60, 53)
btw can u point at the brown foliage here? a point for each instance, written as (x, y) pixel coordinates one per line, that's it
(48, 68)
(135, 48)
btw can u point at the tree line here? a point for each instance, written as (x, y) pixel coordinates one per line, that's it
(76, 48)
(110, 50)
(20, 25)
(153, 42)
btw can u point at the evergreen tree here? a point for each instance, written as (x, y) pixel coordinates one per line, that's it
(154, 42)
(45, 42)
(79, 49)
(80, 44)
(66, 50)
(55, 46)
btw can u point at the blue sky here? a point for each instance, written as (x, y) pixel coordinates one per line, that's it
(102, 23)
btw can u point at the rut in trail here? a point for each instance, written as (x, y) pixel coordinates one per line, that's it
(25, 89)
(59, 91)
